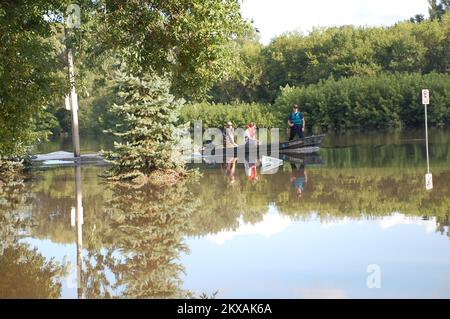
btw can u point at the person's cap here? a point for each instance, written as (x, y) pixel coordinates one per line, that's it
(229, 123)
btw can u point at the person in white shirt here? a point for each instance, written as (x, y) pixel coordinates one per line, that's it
(229, 135)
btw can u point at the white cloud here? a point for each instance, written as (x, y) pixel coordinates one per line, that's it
(400, 219)
(272, 223)
(273, 17)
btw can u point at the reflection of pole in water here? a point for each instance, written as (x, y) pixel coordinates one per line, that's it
(79, 224)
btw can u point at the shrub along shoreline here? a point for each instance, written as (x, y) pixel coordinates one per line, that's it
(360, 102)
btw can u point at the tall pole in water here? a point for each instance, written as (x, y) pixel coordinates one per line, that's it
(79, 226)
(73, 99)
(428, 175)
(426, 140)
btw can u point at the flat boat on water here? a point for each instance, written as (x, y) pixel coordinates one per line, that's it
(307, 145)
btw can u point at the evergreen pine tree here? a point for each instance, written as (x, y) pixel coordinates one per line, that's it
(148, 119)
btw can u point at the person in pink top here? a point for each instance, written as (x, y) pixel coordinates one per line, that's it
(250, 134)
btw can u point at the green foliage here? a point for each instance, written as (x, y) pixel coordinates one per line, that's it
(217, 115)
(8, 169)
(438, 8)
(29, 77)
(190, 40)
(245, 83)
(296, 59)
(95, 112)
(386, 100)
(148, 119)
(185, 41)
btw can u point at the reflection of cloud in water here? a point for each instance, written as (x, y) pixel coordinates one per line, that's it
(272, 223)
(337, 222)
(386, 222)
(320, 293)
(400, 219)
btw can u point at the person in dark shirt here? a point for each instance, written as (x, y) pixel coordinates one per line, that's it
(296, 122)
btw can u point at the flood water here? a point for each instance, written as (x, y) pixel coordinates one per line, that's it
(354, 221)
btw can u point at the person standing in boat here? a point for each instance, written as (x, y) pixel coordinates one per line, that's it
(251, 143)
(296, 122)
(229, 135)
(250, 134)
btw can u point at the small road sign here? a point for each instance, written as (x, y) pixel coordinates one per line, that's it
(428, 181)
(425, 97)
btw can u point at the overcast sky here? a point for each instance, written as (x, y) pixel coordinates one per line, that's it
(273, 17)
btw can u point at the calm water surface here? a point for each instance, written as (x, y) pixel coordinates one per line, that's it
(312, 230)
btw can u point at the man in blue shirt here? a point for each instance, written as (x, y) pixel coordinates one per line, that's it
(298, 179)
(296, 122)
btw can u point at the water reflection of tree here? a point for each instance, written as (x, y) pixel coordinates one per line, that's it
(387, 155)
(133, 237)
(53, 197)
(25, 272)
(332, 193)
(144, 240)
(221, 205)
(370, 192)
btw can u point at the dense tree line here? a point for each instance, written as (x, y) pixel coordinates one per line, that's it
(205, 50)
(296, 59)
(385, 100)
(185, 42)
(381, 101)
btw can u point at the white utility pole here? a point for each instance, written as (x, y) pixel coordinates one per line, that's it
(79, 223)
(73, 101)
(72, 21)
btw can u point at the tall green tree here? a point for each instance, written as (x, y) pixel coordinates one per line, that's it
(437, 8)
(244, 84)
(29, 77)
(188, 40)
(148, 118)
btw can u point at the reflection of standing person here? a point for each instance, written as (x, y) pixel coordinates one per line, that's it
(231, 169)
(299, 178)
(296, 123)
(251, 169)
